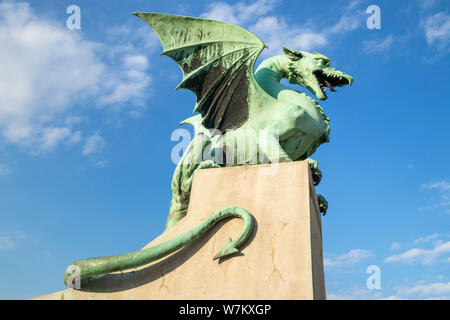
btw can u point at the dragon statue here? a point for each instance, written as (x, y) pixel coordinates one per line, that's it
(217, 60)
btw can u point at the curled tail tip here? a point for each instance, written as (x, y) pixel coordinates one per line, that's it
(227, 249)
(225, 253)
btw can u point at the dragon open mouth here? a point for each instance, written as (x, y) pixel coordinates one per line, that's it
(328, 80)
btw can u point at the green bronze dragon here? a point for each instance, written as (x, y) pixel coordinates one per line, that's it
(217, 60)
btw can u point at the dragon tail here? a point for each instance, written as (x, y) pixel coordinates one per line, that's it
(93, 267)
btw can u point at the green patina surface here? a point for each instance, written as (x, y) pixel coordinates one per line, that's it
(93, 267)
(217, 60)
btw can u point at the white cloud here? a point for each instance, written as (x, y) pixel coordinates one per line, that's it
(41, 75)
(48, 70)
(395, 246)
(352, 257)
(72, 120)
(132, 39)
(239, 13)
(75, 137)
(423, 290)
(5, 170)
(52, 136)
(346, 23)
(355, 293)
(129, 85)
(14, 239)
(221, 11)
(424, 256)
(101, 163)
(350, 20)
(394, 297)
(426, 238)
(443, 187)
(437, 31)
(438, 298)
(377, 46)
(136, 62)
(275, 31)
(93, 144)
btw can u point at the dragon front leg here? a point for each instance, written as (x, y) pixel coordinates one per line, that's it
(315, 171)
(181, 189)
(317, 177)
(323, 204)
(189, 177)
(269, 145)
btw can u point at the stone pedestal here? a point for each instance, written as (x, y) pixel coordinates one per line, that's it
(281, 260)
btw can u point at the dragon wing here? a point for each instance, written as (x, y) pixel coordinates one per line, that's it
(217, 60)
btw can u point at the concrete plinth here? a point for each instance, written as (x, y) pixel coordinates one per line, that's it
(281, 260)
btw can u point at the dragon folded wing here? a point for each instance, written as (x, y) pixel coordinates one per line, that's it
(217, 60)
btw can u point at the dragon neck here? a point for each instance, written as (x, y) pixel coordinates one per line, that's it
(268, 75)
(270, 72)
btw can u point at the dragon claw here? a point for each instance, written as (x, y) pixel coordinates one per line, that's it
(315, 171)
(323, 204)
(316, 176)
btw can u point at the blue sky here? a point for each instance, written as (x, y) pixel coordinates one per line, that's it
(86, 118)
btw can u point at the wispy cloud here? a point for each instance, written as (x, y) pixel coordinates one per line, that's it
(426, 239)
(437, 31)
(11, 239)
(443, 202)
(239, 13)
(440, 185)
(354, 293)
(378, 46)
(436, 290)
(352, 257)
(275, 31)
(45, 77)
(130, 83)
(421, 290)
(101, 163)
(93, 144)
(395, 246)
(421, 255)
(352, 17)
(128, 39)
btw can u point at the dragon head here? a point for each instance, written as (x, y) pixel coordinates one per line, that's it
(313, 71)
